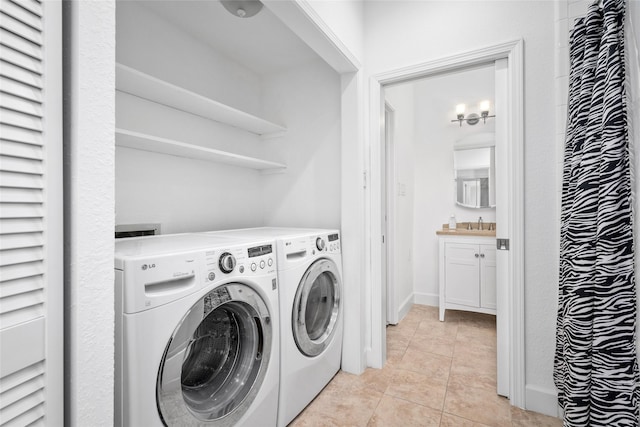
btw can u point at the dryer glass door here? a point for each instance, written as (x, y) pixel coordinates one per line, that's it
(216, 360)
(316, 307)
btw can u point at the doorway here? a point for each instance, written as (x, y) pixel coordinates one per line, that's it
(510, 288)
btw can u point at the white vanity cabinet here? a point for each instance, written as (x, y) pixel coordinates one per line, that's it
(467, 274)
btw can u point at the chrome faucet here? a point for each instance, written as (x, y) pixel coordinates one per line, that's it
(480, 223)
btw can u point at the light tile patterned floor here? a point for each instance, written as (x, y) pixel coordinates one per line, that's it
(437, 374)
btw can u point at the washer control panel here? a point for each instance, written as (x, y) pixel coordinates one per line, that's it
(240, 261)
(160, 278)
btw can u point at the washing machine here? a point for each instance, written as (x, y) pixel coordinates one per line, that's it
(197, 331)
(310, 276)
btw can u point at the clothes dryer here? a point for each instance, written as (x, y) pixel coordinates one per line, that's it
(197, 332)
(310, 276)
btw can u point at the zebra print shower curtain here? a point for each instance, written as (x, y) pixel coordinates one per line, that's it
(595, 369)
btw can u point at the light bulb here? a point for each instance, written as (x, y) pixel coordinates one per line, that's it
(484, 106)
(460, 109)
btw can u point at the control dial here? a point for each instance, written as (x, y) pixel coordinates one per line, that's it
(227, 262)
(320, 243)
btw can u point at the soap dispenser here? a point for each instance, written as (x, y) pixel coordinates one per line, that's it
(452, 223)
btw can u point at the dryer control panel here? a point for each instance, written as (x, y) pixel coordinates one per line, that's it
(333, 240)
(297, 249)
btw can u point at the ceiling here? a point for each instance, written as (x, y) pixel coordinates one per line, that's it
(262, 43)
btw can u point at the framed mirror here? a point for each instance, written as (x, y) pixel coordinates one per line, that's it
(474, 170)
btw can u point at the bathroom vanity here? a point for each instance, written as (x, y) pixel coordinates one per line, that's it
(467, 268)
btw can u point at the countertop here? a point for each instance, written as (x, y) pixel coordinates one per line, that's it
(462, 230)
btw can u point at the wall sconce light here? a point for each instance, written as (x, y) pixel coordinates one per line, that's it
(473, 118)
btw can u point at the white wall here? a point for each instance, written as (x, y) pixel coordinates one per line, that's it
(89, 199)
(403, 33)
(184, 195)
(354, 223)
(308, 194)
(345, 19)
(401, 98)
(634, 19)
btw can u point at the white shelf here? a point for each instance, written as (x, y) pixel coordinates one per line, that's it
(145, 142)
(145, 86)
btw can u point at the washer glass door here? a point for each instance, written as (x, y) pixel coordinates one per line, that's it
(216, 360)
(316, 307)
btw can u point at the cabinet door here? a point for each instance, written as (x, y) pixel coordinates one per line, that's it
(488, 276)
(461, 274)
(31, 214)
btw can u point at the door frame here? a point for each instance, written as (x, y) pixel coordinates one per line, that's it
(388, 151)
(513, 52)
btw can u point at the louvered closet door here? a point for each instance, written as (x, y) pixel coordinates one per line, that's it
(31, 290)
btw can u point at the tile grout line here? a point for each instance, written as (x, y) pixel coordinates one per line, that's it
(409, 370)
(375, 409)
(446, 390)
(394, 373)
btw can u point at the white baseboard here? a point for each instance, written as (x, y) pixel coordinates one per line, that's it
(405, 307)
(426, 299)
(542, 400)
